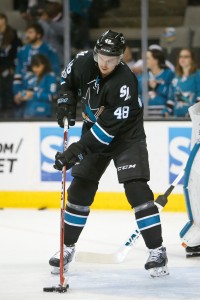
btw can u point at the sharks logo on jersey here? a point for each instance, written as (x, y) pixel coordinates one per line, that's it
(90, 114)
(96, 84)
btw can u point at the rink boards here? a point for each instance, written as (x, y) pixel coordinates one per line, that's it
(28, 179)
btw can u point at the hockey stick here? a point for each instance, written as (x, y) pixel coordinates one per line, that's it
(121, 253)
(63, 286)
(62, 210)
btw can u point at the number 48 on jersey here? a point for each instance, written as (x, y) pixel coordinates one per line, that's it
(122, 112)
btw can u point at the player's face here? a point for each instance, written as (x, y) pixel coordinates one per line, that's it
(32, 36)
(107, 64)
(151, 61)
(185, 59)
(2, 25)
(38, 69)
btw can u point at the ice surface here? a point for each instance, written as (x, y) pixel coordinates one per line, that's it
(30, 237)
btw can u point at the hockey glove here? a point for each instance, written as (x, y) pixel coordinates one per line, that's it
(74, 153)
(66, 107)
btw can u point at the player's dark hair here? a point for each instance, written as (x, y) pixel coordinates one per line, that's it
(159, 56)
(4, 17)
(8, 34)
(37, 27)
(40, 59)
(193, 67)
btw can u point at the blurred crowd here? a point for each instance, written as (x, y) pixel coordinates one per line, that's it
(172, 89)
(30, 66)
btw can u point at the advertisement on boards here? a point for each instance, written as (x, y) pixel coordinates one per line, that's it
(51, 141)
(179, 150)
(27, 152)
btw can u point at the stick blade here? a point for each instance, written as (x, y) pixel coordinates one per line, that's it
(58, 289)
(161, 201)
(104, 258)
(98, 258)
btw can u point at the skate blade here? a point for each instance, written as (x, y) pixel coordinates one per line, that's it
(56, 270)
(159, 272)
(194, 254)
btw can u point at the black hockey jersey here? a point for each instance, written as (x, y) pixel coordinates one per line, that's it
(111, 110)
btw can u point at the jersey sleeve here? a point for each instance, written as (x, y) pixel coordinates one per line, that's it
(172, 90)
(163, 88)
(53, 57)
(197, 85)
(17, 81)
(48, 90)
(70, 77)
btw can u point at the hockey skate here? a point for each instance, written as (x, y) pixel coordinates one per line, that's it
(157, 262)
(192, 251)
(55, 260)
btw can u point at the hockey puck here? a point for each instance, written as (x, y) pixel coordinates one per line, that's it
(49, 289)
(42, 208)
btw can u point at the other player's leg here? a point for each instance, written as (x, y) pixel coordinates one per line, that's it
(190, 235)
(192, 251)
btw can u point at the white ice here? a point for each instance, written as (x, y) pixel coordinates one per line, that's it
(30, 237)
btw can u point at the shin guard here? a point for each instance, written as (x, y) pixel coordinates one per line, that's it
(148, 221)
(75, 220)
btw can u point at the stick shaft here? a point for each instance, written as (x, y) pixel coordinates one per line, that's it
(174, 183)
(62, 210)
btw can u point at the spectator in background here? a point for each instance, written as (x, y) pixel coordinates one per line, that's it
(185, 88)
(128, 57)
(79, 10)
(95, 13)
(9, 42)
(159, 79)
(30, 9)
(35, 45)
(98, 8)
(51, 20)
(137, 67)
(38, 90)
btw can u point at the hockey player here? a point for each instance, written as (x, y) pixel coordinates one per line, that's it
(112, 129)
(190, 234)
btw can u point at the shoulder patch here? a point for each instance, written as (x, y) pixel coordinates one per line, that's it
(64, 73)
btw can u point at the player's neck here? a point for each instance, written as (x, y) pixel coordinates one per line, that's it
(36, 44)
(186, 71)
(156, 70)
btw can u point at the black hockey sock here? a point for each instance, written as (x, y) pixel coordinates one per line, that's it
(75, 221)
(148, 221)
